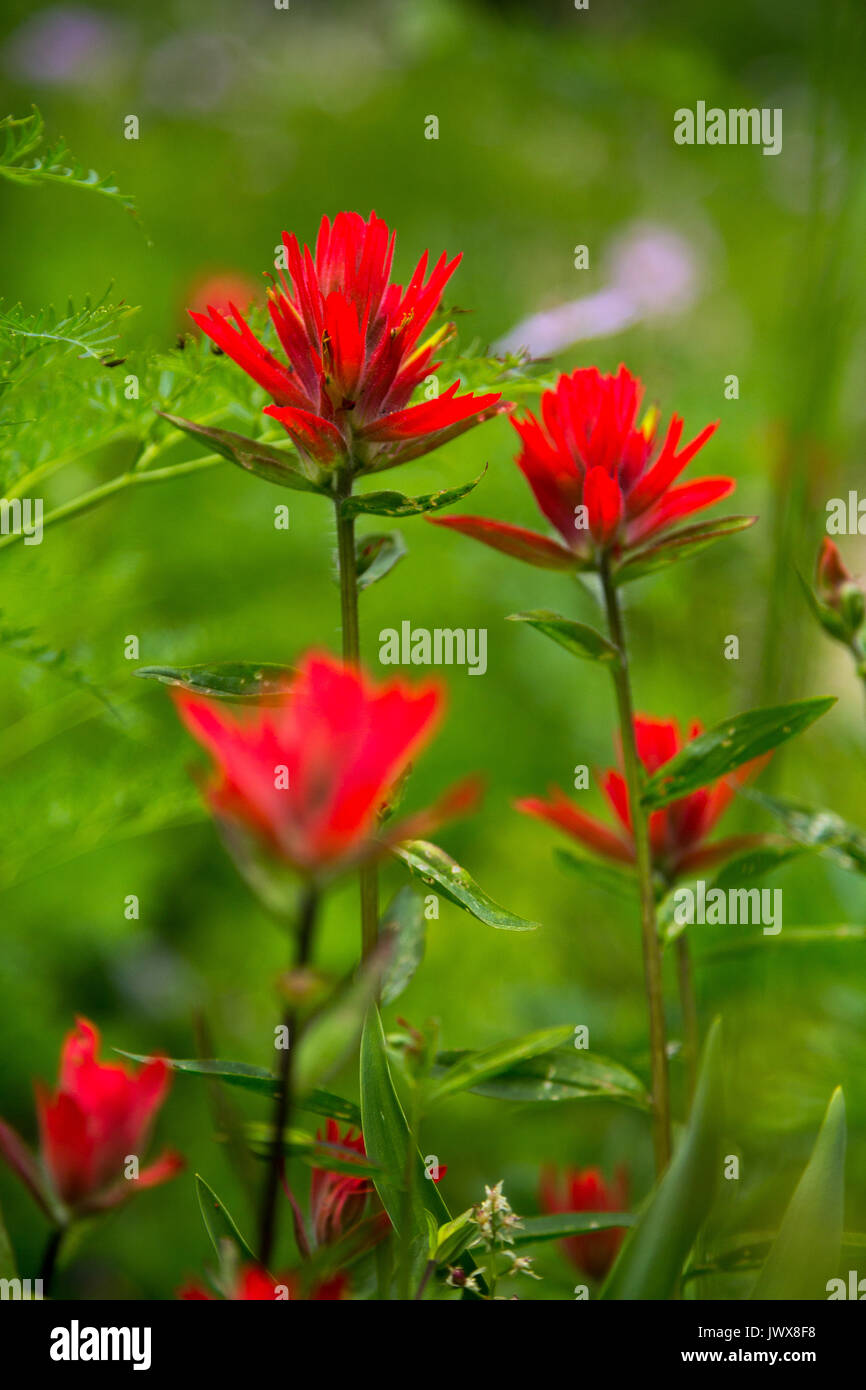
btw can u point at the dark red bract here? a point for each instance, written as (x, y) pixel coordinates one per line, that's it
(585, 1189)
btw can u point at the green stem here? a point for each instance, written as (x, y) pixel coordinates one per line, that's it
(652, 960)
(691, 1033)
(368, 876)
(119, 484)
(283, 1103)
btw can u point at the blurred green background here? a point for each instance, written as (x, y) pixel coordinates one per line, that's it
(555, 129)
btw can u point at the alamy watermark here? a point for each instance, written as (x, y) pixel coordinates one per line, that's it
(439, 646)
(715, 907)
(737, 126)
(22, 517)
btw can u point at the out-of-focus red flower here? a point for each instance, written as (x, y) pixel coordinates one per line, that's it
(100, 1116)
(844, 604)
(309, 775)
(254, 1285)
(677, 832)
(220, 291)
(585, 1189)
(353, 350)
(601, 478)
(337, 1200)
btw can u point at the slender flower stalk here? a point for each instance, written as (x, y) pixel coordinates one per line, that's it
(368, 873)
(283, 1102)
(661, 1117)
(689, 1008)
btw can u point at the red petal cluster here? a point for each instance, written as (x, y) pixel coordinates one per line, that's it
(337, 1200)
(353, 350)
(99, 1116)
(677, 832)
(309, 775)
(586, 1189)
(603, 480)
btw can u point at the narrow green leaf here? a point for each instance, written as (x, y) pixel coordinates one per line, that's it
(566, 1073)
(224, 680)
(653, 1255)
(376, 556)
(805, 1253)
(474, 1068)
(601, 873)
(397, 504)
(842, 842)
(259, 1080)
(299, 1143)
(730, 744)
(281, 466)
(748, 868)
(219, 1222)
(577, 638)
(438, 870)
(791, 936)
(387, 1137)
(679, 545)
(569, 1223)
(403, 924)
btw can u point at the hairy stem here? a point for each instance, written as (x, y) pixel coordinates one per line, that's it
(652, 960)
(283, 1102)
(368, 875)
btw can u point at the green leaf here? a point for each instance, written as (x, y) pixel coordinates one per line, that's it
(438, 870)
(27, 158)
(748, 867)
(224, 680)
(566, 1073)
(8, 1268)
(601, 873)
(570, 1223)
(299, 1143)
(653, 1255)
(577, 638)
(403, 924)
(730, 744)
(219, 1222)
(791, 936)
(281, 466)
(396, 504)
(256, 1079)
(805, 1253)
(832, 622)
(679, 545)
(474, 1068)
(376, 556)
(387, 1137)
(840, 841)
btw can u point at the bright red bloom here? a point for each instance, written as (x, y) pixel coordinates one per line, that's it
(353, 355)
(254, 1285)
(677, 832)
(337, 1200)
(309, 775)
(220, 291)
(598, 476)
(586, 1190)
(100, 1116)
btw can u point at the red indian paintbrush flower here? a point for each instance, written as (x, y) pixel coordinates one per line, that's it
(254, 1285)
(310, 775)
(585, 1189)
(841, 604)
(353, 349)
(337, 1200)
(598, 476)
(99, 1117)
(677, 832)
